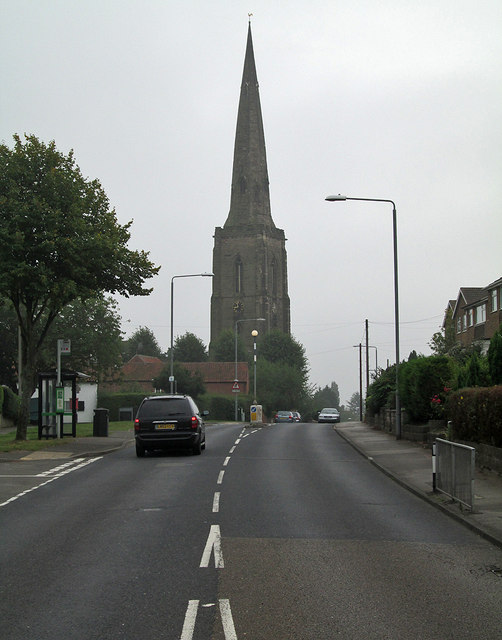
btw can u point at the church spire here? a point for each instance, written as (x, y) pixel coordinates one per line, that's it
(250, 199)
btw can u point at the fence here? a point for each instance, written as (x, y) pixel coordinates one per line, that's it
(453, 471)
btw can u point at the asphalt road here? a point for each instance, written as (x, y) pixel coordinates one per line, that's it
(278, 533)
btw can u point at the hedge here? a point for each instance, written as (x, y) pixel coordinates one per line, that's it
(476, 415)
(219, 407)
(9, 403)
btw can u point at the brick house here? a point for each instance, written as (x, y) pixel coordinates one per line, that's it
(139, 372)
(476, 314)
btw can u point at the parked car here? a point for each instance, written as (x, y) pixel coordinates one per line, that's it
(329, 415)
(169, 422)
(284, 416)
(296, 416)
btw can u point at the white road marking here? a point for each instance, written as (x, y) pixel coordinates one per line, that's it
(60, 474)
(190, 616)
(227, 460)
(213, 542)
(232, 450)
(227, 620)
(216, 502)
(220, 477)
(56, 470)
(238, 440)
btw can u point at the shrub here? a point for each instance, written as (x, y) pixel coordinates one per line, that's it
(10, 405)
(114, 401)
(476, 415)
(423, 384)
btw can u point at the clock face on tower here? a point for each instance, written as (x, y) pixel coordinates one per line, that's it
(238, 307)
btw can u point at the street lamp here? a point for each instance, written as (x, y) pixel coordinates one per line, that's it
(235, 335)
(254, 333)
(339, 197)
(187, 275)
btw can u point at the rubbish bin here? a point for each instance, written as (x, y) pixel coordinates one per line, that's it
(100, 423)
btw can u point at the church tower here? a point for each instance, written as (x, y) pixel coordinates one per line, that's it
(249, 254)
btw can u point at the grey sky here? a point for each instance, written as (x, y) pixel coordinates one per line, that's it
(387, 99)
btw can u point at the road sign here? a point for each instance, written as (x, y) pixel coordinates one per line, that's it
(236, 388)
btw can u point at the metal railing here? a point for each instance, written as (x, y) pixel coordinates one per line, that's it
(453, 471)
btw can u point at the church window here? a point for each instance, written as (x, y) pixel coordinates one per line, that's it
(238, 275)
(273, 276)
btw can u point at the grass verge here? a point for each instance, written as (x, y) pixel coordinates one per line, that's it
(32, 443)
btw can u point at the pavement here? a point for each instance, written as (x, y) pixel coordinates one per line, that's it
(408, 463)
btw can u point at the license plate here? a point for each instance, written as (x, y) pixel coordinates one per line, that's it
(165, 427)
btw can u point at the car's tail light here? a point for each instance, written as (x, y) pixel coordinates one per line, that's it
(136, 425)
(195, 422)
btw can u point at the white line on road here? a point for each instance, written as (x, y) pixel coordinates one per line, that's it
(232, 450)
(238, 440)
(227, 620)
(220, 477)
(190, 617)
(227, 460)
(59, 475)
(216, 502)
(61, 467)
(213, 542)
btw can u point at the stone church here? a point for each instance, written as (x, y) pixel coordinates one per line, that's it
(249, 255)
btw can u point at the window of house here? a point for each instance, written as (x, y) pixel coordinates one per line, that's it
(494, 300)
(464, 322)
(459, 325)
(470, 317)
(481, 313)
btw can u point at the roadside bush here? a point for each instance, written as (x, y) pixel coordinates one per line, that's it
(476, 415)
(222, 407)
(382, 392)
(114, 401)
(423, 385)
(10, 405)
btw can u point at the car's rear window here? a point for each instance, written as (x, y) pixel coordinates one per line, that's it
(163, 407)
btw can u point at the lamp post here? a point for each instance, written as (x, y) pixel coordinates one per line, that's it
(254, 333)
(235, 335)
(187, 275)
(339, 197)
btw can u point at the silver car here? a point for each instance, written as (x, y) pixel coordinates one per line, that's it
(329, 415)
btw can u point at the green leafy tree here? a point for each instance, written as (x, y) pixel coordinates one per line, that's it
(279, 386)
(188, 383)
(495, 357)
(96, 338)
(328, 396)
(59, 241)
(189, 348)
(354, 405)
(143, 342)
(8, 345)
(280, 347)
(222, 348)
(442, 342)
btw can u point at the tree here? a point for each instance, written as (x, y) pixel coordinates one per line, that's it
(189, 348)
(59, 241)
(8, 345)
(96, 338)
(354, 404)
(279, 386)
(495, 357)
(222, 348)
(280, 347)
(142, 341)
(189, 383)
(443, 341)
(329, 396)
